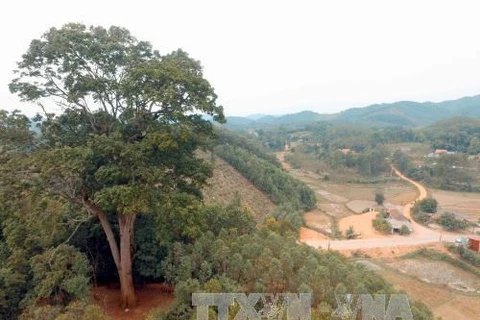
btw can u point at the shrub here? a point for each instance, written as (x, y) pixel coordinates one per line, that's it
(381, 224)
(379, 197)
(428, 205)
(404, 230)
(450, 222)
(350, 233)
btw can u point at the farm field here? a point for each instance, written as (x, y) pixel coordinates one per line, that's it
(437, 284)
(463, 203)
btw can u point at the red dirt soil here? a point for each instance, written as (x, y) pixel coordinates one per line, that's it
(150, 297)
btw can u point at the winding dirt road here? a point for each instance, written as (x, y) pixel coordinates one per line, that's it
(421, 235)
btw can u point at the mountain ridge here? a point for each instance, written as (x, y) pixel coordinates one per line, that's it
(405, 113)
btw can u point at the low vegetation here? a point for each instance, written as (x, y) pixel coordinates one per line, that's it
(451, 223)
(466, 254)
(423, 209)
(381, 224)
(404, 230)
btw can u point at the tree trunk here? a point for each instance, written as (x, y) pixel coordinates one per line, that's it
(122, 257)
(126, 225)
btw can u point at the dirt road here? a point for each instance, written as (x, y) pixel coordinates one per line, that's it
(420, 235)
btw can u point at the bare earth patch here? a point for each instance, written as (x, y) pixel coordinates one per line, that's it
(335, 209)
(317, 220)
(150, 297)
(438, 272)
(227, 181)
(445, 302)
(359, 205)
(306, 234)
(464, 203)
(362, 224)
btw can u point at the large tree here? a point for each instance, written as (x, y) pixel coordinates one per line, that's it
(130, 124)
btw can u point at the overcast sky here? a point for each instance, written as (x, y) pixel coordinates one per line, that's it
(279, 57)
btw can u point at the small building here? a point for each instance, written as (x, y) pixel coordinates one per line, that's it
(441, 151)
(474, 243)
(397, 220)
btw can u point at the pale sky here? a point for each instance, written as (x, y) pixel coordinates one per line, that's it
(279, 57)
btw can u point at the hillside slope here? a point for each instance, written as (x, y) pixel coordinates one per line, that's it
(227, 181)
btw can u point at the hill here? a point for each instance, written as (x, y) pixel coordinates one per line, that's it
(406, 113)
(227, 182)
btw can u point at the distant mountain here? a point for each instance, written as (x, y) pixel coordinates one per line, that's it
(406, 113)
(256, 116)
(414, 114)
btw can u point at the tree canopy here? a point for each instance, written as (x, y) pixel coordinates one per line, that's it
(131, 122)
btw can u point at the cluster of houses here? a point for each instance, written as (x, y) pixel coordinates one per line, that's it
(439, 152)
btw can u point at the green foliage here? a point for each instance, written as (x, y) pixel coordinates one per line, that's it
(423, 209)
(402, 162)
(420, 311)
(131, 123)
(281, 187)
(224, 136)
(15, 135)
(264, 262)
(350, 233)
(381, 224)
(466, 254)
(379, 197)
(428, 205)
(404, 230)
(59, 274)
(78, 310)
(450, 222)
(456, 134)
(289, 215)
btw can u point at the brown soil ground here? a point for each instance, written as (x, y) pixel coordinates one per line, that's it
(317, 220)
(306, 234)
(227, 181)
(463, 203)
(444, 301)
(359, 205)
(438, 284)
(362, 224)
(281, 158)
(393, 252)
(438, 272)
(150, 297)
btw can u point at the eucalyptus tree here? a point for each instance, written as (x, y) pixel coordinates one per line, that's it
(131, 121)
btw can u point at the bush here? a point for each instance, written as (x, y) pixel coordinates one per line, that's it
(466, 254)
(379, 197)
(420, 216)
(404, 230)
(381, 224)
(428, 205)
(350, 233)
(450, 222)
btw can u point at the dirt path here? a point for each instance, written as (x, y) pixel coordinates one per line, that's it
(421, 235)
